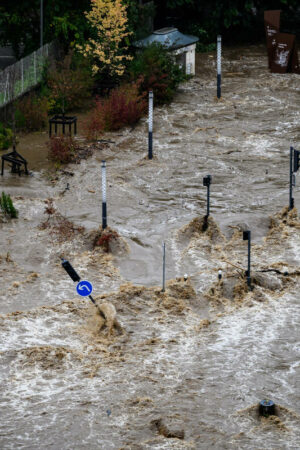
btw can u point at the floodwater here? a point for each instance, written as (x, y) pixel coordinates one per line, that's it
(192, 363)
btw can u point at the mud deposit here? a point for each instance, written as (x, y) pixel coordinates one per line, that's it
(180, 369)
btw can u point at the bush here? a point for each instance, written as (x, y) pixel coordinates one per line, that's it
(156, 70)
(32, 113)
(7, 206)
(61, 149)
(124, 106)
(6, 137)
(104, 237)
(70, 83)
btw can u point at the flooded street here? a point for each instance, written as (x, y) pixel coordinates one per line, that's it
(193, 362)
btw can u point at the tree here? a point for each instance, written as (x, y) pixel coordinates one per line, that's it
(20, 23)
(106, 47)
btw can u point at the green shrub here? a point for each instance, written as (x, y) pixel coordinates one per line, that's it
(7, 206)
(6, 137)
(31, 113)
(157, 71)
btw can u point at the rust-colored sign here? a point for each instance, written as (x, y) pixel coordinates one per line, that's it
(272, 27)
(282, 53)
(282, 48)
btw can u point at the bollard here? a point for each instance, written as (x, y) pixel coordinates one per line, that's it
(207, 183)
(266, 408)
(291, 200)
(164, 268)
(294, 158)
(104, 209)
(150, 126)
(247, 237)
(219, 48)
(220, 274)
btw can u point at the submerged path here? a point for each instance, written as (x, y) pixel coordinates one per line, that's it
(198, 358)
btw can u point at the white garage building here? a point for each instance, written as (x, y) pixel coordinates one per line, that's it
(183, 46)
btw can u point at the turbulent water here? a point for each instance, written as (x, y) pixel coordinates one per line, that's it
(192, 363)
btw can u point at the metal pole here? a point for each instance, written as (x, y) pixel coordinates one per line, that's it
(150, 126)
(219, 45)
(291, 200)
(41, 22)
(208, 192)
(22, 74)
(104, 210)
(164, 267)
(34, 66)
(249, 260)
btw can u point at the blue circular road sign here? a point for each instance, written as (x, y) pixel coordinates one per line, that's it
(84, 288)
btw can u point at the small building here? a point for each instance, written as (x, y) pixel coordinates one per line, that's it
(183, 46)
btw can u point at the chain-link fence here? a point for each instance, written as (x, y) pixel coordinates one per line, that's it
(22, 76)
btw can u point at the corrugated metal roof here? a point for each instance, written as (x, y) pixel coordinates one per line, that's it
(170, 38)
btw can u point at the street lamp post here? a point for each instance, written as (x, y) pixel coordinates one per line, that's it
(150, 126)
(41, 22)
(104, 209)
(219, 46)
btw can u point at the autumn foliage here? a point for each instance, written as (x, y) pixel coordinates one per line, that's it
(124, 106)
(106, 48)
(61, 149)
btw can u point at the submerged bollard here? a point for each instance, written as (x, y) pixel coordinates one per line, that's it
(266, 408)
(247, 237)
(164, 268)
(219, 48)
(294, 166)
(150, 126)
(104, 210)
(207, 183)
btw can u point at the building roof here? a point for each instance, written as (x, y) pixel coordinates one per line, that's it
(170, 38)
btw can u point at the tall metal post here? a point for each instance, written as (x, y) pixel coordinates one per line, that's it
(247, 237)
(104, 210)
(208, 194)
(164, 267)
(291, 200)
(41, 23)
(150, 126)
(219, 49)
(207, 183)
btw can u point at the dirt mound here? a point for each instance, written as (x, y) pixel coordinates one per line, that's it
(200, 226)
(232, 288)
(179, 288)
(280, 221)
(109, 241)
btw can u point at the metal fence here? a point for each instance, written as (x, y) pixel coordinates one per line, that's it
(22, 76)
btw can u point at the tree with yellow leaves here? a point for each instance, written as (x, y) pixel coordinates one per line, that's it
(108, 19)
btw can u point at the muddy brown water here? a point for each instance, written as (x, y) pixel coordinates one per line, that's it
(193, 358)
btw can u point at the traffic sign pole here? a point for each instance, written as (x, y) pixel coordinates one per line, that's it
(76, 278)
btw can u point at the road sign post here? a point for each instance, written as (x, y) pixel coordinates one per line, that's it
(83, 288)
